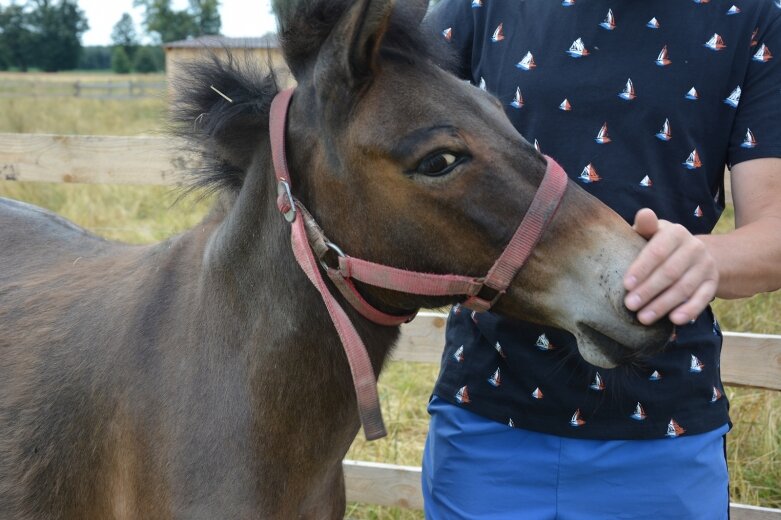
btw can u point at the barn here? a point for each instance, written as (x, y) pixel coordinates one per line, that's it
(264, 50)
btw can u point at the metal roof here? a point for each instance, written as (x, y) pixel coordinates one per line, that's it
(268, 41)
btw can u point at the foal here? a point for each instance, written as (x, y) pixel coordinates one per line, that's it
(201, 377)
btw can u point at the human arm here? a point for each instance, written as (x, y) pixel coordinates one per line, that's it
(678, 274)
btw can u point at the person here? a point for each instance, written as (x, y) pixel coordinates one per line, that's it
(642, 103)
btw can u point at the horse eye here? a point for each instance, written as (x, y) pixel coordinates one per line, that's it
(438, 164)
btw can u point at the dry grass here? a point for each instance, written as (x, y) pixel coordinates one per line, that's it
(143, 214)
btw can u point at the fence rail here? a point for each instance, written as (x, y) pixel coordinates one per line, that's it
(110, 89)
(752, 360)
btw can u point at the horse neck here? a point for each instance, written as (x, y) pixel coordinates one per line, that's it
(256, 290)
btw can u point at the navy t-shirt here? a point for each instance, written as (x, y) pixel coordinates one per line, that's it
(643, 104)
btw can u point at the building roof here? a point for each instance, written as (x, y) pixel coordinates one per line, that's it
(268, 41)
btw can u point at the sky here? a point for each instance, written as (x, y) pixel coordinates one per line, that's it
(239, 17)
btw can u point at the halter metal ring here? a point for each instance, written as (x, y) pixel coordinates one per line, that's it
(336, 249)
(283, 192)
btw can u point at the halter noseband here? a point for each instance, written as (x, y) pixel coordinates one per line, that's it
(309, 241)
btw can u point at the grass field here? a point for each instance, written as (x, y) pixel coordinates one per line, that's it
(144, 214)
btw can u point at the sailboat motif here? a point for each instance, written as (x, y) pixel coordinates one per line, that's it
(495, 379)
(589, 174)
(716, 395)
(510, 423)
(763, 54)
(663, 59)
(749, 141)
(733, 10)
(698, 212)
(500, 350)
(716, 327)
(628, 93)
(693, 161)
(674, 335)
(646, 182)
(474, 317)
(734, 97)
(701, 1)
(462, 396)
(674, 429)
(543, 343)
(639, 414)
(653, 23)
(602, 137)
(567, 3)
(655, 376)
(448, 33)
(498, 34)
(578, 49)
(527, 63)
(482, 83)
(456, 309)
(754, 40)
(458, 355)
(537, 394)
(565, 105)
(717, 195)
(597, 384)
(576, 419)
(692, 94)
(517, 101)
(477, 3)
(696, 365)
(715, 43)
(537, 145)
(664, 134)
(610, 21)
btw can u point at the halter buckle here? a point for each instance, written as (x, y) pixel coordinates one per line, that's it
(336, 249)
(285, 201)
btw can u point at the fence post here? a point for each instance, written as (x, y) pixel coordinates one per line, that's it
(77, 89)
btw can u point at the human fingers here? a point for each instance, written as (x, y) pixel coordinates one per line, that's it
(656, 252)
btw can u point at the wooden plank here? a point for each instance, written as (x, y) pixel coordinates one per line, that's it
(400, 486)
(92, 159)
(751, 360)
(383, 484)
(747, 359)
(743, 512)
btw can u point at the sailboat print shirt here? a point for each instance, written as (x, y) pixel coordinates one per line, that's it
(643, 103)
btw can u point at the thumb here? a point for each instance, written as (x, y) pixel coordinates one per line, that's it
(646, 223)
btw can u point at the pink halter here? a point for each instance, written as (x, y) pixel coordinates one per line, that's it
(309, 240)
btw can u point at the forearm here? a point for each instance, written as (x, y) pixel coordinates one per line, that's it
(748, 259)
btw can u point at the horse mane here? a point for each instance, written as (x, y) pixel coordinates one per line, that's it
(218, 129)
(224, 132)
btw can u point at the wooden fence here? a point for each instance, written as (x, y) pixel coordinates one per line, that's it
(108, 89)
(752, 360)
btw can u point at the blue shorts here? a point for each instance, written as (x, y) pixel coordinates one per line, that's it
(477, 468)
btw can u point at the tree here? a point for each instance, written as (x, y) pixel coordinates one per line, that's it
(168, 25)
(57, 29)
(207, 16)
(16, 37)
(120, 61)
(145, 61)
(202, 17)
(124, 35)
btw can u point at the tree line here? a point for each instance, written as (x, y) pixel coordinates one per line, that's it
(46, 35)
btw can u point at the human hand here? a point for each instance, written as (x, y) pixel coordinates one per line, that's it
(673, 275)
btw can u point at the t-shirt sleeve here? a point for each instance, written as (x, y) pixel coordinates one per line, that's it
(453, 21)
(757, 128)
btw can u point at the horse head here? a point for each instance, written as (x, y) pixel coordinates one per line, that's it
(403, 164)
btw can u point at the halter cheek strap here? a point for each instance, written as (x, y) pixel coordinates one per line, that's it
(309, 241)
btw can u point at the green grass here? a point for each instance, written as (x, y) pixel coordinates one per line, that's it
(145, 214)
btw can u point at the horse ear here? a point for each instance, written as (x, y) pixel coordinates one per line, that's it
(349, 57)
